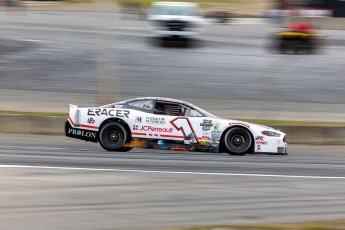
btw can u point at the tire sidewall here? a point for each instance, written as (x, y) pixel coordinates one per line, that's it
(243, 150)
(112, 126)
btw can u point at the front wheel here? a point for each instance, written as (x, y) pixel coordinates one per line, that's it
(237, 141)
(113, 136)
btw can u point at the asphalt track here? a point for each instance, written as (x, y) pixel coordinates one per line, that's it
(59, 183)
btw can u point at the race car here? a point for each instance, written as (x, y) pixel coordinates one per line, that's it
(169, 124)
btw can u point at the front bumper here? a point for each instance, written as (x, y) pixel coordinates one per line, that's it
(194, 34)
(272, 145)
(282, 150)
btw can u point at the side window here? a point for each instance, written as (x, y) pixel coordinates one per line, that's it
(192, 113)
(142, 104)
(169, 109)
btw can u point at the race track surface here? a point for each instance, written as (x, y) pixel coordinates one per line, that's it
(56, 183)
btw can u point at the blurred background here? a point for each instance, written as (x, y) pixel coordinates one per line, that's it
(245, 59)
(221, 55)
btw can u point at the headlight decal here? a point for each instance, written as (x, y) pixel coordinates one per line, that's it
(270, 134)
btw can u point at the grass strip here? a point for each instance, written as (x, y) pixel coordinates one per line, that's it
(48, 114)
(319, 225)
(292, 123)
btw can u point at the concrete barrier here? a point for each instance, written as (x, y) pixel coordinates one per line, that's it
(323, 23)
(46, 125)
(319, 135)
(29, 124)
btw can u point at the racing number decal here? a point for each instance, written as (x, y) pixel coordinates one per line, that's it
(183, 123)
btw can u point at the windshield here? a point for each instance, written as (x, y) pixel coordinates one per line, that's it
(175, 10)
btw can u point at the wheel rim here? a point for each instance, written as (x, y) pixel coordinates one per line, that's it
(238, 141)
(113, 136)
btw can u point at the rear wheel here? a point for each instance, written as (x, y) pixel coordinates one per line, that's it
(113, 136)
(237, 141)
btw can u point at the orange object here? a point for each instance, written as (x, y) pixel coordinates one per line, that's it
(179, 149)
(136, 144)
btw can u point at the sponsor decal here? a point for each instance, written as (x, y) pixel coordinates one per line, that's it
(138, 119)
(108, 112)
(203, 142)
(135, 127)
(261, 143)
(215, 135)
(81, 133)
(206, 125)
(90, 120)
(216, 126)
(155, 120)
(240, 123)
(77, 118)
(258, 148)
(259, 138)
(215, 140)
(148, 128)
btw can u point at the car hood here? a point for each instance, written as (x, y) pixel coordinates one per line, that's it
(249, 124)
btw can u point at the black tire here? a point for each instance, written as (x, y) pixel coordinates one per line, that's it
(113, 136)
(274, 45)
(310, 47)
(283, 46)
(237, 141)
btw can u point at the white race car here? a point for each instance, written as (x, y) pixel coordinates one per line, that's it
(164, 123)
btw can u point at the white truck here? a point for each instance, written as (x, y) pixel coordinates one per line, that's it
(175, 20)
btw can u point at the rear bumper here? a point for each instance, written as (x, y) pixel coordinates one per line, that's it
(81, 134)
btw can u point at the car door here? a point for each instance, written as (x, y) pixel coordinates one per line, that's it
(195, 122)
(186, 122)
(149, 125)
(157, 125)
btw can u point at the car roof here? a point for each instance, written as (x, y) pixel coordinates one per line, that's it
(174, 4)
(168, 100)
(159, 99)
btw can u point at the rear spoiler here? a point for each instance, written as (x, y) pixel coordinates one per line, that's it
(74, 114)
(71, 106)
